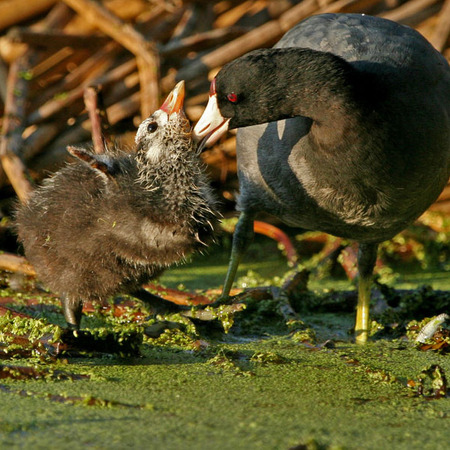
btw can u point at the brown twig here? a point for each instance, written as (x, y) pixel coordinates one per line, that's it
(408, 10)
(148, 77)
(145, 52)
(14, 11)
(54, 106)
(52, 39)
(279, 236)
(201, 41)
(15, 263)
(13, 126)
(97, 116)
(3, 80)
(125, 108)
(262, 36)
(38, 139)
(441, 33)
(94, 66)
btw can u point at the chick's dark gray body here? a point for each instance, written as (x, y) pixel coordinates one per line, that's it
(112, 222)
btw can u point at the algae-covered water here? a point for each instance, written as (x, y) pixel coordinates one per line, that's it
(177, 400)
(258, 387)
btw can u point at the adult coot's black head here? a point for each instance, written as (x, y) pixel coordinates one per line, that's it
(359, 140)
(108, 223)
(268, 85)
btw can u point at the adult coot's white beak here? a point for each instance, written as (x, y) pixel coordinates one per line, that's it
(212, 125)
(175, 101)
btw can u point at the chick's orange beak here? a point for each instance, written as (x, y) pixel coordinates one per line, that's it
(175, 101)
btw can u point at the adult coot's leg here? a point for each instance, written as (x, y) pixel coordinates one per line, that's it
(367, 257)
(72, 311)
(242, 237)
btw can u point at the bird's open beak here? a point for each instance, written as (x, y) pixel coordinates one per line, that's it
(175, 101)
(212, 125)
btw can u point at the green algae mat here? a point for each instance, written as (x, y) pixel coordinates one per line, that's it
(271, 382)
(338, 398)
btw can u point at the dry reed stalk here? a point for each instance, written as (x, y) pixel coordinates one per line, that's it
(13, 126)
(145, 51)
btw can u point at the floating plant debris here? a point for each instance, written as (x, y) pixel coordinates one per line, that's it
(268, 358)
(25, 336)
(74, 400)
(34, 373)
(431, 383)
(431, 327)
(430, 333)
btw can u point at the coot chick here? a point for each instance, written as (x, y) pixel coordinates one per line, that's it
(108, 223)
(359, 144)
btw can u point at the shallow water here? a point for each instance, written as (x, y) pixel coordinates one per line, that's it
(253, 388)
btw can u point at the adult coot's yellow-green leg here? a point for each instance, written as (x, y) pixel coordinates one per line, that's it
(242, 237)
(367, 257)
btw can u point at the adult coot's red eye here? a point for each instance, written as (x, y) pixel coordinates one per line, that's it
(232, 97)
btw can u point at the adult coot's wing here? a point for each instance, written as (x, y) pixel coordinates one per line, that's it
(366, 41)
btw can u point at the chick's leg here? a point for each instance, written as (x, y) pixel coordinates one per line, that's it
(157, 304)
(72, 311)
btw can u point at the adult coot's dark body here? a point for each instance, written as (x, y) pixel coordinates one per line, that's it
(364, 145)
(108, 223)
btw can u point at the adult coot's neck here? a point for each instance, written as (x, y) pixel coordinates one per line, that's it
(273, 84)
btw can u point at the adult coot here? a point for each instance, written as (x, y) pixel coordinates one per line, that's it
(359, 140)
(108, 223)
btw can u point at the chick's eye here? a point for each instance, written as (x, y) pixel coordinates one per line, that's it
(152, 127)
(232, 97)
